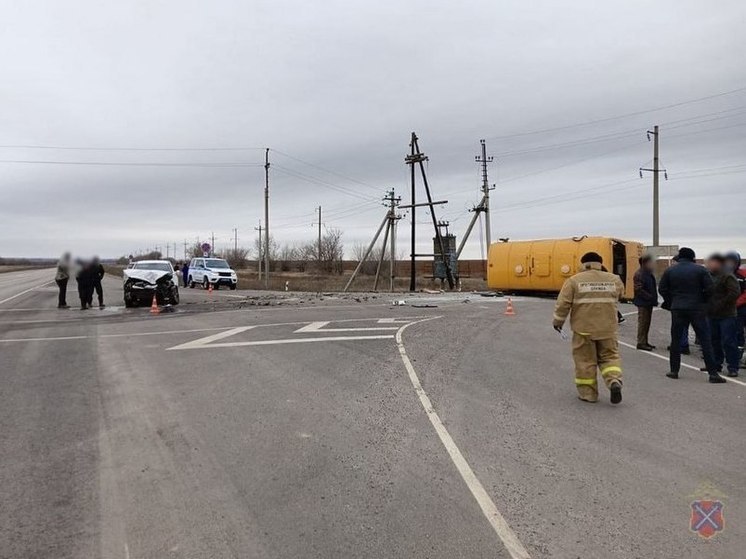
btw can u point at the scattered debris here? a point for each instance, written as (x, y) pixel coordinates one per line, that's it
(425, 306)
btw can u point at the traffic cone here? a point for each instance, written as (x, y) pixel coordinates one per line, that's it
(510, 311)
(209, 288)
(154, 306)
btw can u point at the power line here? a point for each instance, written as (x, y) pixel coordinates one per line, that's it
(91, 148)
(617, 117)
(129, 164)
(329, 171)
(320, 182)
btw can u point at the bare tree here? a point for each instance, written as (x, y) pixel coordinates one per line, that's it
(370, 265)
(332, 251)
(237, 257)
(274, 250)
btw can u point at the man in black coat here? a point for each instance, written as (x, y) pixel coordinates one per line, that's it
(646, 299)
(97, 273)
(685, 289)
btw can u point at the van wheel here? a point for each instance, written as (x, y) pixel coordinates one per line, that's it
(191, 282)
(205, 283)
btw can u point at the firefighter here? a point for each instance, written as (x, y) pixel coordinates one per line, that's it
(590, 298)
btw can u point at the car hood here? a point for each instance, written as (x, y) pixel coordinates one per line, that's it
(150, 276)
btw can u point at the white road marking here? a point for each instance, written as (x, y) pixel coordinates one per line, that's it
(24, 292)
(283, 341)
(665, 358)
(319, 327)
(509, 539)
(202, 342)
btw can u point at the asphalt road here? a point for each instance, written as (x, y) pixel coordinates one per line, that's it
(247, 425)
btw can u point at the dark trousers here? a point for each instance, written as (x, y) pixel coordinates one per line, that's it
(725, 342)
(85, 292)
(644, 317)
(62, 299)
(680, 322)
(741, 325)
(99, 291)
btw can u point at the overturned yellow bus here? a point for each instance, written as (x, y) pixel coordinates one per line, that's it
(544, 265)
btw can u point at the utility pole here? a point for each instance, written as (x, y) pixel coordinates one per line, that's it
(656, 170)
(319, 210)
(413, 258)
(485, 190)
(235, 241)
(212, 245)
(185, 249)
(259, 259)
(266, 218)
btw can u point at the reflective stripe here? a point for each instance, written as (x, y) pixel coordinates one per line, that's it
(558, 318)
(588, 381)
(595, 300)
(610, 369)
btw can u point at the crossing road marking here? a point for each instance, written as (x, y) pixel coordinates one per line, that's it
(509, 538)
(196, 344)
(319, 327)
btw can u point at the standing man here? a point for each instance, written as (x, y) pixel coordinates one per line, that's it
(185, 273)
(733, 261)
(590, 298)
(685, 289)
(61, 277)
(646, 299)
(721, 312)
(97, 274)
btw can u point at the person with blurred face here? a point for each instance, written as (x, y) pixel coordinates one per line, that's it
(733, 261)
(61, 277)
(721, 313)
(646, 299)
(97, 274)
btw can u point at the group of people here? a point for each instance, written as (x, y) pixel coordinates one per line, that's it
(711, 299)
(88, 275)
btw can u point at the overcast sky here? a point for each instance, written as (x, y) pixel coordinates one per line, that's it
(563, 92)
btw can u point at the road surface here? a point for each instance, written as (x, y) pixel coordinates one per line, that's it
(329, 427)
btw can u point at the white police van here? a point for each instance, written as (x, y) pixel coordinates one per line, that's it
(211, 271)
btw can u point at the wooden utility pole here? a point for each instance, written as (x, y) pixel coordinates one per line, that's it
(266, 218)
(259, 259)
(656, 170)
(413, 258)
(416, 157)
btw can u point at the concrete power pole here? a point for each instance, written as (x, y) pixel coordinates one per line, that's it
(235, 241)
(266, 218)
(656, 170)
(483, 159)
(212, 243)
(185, 249)
(319, 209)
(259, 258)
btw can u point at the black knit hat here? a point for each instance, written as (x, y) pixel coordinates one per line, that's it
(687, 253)
(591, 257)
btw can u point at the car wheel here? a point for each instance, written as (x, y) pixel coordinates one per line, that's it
(128, 304)
(233, 287)
(205, 283)
(216, 286)
(191, 282)
(175, 296)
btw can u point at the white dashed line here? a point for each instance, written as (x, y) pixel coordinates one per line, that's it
(509, 538)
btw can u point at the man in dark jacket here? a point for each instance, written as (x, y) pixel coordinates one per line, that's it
(646, 299)
(97, 273)
(685, 289)
(721, 312)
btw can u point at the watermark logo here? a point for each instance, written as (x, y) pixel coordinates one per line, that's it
(706, 516)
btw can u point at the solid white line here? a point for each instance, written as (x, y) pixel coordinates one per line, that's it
(26, 291)
(282, 342)
(665, 358)
(510, 540)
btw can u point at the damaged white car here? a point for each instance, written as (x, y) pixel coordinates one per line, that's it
(146, 278)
